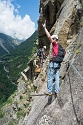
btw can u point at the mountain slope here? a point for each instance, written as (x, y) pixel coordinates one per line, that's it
(11, 65)
(18, 59)
(26, 45)
(7, 44)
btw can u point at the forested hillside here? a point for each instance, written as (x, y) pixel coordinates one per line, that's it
(12, 64)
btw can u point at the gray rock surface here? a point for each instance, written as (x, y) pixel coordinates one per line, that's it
(67, 108)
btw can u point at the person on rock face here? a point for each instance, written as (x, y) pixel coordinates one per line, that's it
(53, 72)
(41, 55)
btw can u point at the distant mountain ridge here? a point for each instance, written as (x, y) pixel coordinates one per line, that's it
(7, 44)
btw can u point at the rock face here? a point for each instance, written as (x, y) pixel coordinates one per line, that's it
(62, 19)
(65, 18)
(48, 12)
(67, 108)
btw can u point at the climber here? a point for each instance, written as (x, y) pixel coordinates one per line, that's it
(54, 66)
(41, 54)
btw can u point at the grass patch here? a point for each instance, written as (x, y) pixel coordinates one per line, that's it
(12, 122)
(1, 113)
(21, 113)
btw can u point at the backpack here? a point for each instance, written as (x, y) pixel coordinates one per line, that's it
(60, 56)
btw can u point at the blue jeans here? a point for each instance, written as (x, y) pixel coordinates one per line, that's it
(53, 73)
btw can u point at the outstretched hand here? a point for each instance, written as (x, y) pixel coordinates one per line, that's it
(44, 25)
(47, 32)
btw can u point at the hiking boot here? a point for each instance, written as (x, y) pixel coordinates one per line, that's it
(55, 95)
(48, 93)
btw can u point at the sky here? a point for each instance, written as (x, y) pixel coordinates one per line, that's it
(18, 18)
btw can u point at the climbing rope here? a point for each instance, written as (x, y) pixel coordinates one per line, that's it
(78, 122)
(71, 65)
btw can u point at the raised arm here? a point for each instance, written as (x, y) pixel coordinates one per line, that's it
(47, 33)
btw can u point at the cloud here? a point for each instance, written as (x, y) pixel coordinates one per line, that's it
(12, 24)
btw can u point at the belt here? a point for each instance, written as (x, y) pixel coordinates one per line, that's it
(51, 60)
